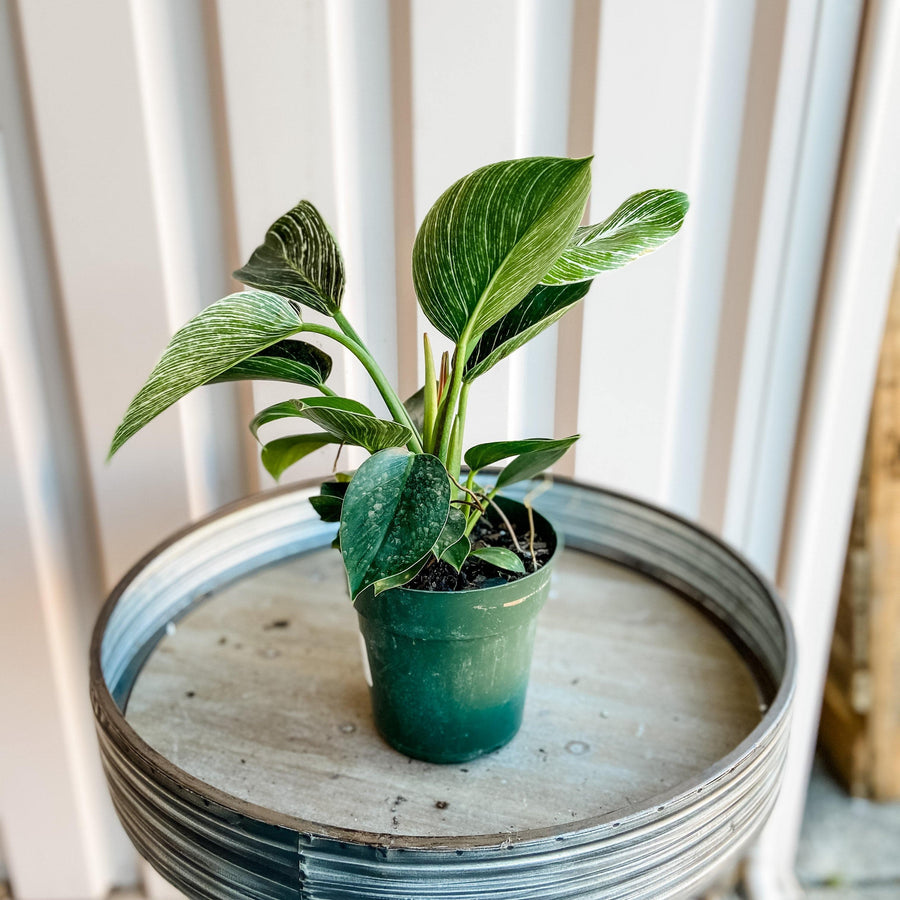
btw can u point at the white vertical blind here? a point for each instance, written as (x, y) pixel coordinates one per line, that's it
(168, 134)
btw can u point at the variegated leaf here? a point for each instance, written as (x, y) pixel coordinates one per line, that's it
(345, 419)
(392, 516)
(642, 223)
(544, 305)
(300, 260)
(294, 361)
(221, 336)
(489, 239)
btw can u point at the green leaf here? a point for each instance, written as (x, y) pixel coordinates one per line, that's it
(642, 223)
(490, 238)
(453, 531)
(527, 465)
(345, 419)
(335, 488)
(328, 508)
(393, 514)
(293, 361)
(456, 554)
(482, 455)
(221, 336)
(544, 305)
(300, 260)
(501, 558)
(283, 452)
(415, 406)
(331, 498)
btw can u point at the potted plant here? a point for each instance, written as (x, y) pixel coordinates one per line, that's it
(446, 576)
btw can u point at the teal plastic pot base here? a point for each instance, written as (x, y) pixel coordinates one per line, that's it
(487, 730)
(450, 669)
(426, 754)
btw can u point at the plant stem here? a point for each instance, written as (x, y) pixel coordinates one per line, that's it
(455, 454)
(431, 398)
(327, 391)
(398, 411)
(456, 383)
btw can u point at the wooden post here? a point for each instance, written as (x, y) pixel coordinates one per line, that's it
(860, 726)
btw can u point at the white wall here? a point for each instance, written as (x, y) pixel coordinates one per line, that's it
(144, 148)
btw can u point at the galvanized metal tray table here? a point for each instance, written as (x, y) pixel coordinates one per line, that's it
(240, 753)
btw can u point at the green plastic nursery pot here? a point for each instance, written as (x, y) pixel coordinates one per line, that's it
(449, 669)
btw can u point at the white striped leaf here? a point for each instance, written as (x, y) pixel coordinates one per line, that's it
(642, 223)
(294, 361)
(345, 419)
(280, 454)
(392, 516)
(544, 305)
(490, 238)
(221, 336)
(300, 260)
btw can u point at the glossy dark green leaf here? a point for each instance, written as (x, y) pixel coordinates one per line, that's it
(457, 553)
(544, 305)
(642, 223)
(330, 499)
(501, 558)
(490, 238)
(335, 488)
(293, 361)
(482, 455)
(283, 452)
(328, 508)
(393, 514)
(217, 339)
(345, 419)
(300, 260)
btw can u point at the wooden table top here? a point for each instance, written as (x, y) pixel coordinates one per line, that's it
(259, 692)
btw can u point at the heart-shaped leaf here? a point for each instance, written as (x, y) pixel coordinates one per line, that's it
(221, 336)
(490, 238)
(482, 455)
(642, 223)
(283, 452)
(293, 361)
(393, 514)
(456, 554)
(345, 419)
(544, 305)
(501, 558)
(300, 260)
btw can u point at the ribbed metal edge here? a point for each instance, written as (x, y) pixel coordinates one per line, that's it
(212, 845)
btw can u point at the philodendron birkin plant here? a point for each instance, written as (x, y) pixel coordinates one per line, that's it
(446, 576)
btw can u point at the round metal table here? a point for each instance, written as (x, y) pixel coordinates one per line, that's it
(240, 752)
